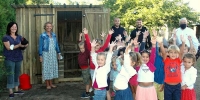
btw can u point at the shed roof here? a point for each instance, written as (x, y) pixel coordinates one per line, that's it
(55, 6)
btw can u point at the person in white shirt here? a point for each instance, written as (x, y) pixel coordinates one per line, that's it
(123, 92)
(102, 68)
(189, 74)
(186, 31)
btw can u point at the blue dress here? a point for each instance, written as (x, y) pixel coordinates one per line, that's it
(50, 62)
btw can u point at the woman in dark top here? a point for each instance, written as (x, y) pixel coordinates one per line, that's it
(13, 57)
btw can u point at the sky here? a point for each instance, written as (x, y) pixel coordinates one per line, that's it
(195, 4)
(192, 3)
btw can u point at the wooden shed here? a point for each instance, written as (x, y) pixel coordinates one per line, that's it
(68, 21)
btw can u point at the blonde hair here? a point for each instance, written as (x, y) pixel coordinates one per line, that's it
(136, 57)
(173, 48)
(102, 54)
(45, 24)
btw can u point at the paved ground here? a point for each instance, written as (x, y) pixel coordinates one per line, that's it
(64, 91)
(67, 91)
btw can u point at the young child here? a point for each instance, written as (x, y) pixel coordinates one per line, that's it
(146, 89)
(98, 47)
(123, 92)
(189, 74)
(159, 72)
(133, 81)
(172, 86)
(83, 58)
(116, 65)
(102, 68)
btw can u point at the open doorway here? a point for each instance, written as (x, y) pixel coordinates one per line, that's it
(69, 24)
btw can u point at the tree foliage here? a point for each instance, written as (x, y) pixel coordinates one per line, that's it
(154, 13)
(7, 14)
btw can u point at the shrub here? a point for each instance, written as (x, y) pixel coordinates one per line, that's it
(3, 78)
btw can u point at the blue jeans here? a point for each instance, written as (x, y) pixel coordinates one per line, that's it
(13, 72)
(123, 94)
(100, 94)
(91, 73)
(172, 92)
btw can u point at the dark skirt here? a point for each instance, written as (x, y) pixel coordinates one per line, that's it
(123, 94)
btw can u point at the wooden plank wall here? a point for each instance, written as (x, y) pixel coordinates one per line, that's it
(31, 27)
(96, 20)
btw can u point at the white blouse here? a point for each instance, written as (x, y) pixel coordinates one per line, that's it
(126, 72)
(188, 77)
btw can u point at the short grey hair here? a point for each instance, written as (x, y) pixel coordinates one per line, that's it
(183, 19)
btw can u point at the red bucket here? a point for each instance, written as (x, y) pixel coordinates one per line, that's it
(24, 81)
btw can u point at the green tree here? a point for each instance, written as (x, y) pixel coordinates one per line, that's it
(155, 13)
(39, 1)
(7, 14)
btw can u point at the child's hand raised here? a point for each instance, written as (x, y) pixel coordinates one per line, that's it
(145, 34)
(85, 31)
(113, 43)
(120, 37)
(116, 38)
(111, 31)
(94, 43)
(128, 48)
(138, 33)
(159, 39)
(135, 42)
(155, 33)
(189, 38)
(182, 38)
(103, 34)
(153, 41)
(125, 33)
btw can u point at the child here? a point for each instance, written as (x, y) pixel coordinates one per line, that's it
(123, 92)
(102, 68)
(172, 86)
(98, 47)
(133, 81)
(83, 58)
(146, 89)
(159, 72)
(116, 65)
(189, 74)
